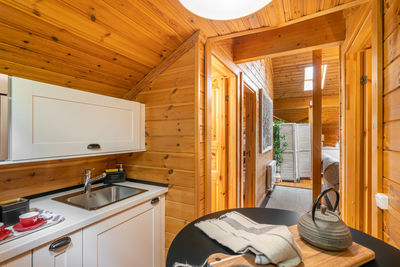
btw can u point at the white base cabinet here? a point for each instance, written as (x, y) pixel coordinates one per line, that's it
(24, 260)
(68, 255)
(132, 238)
(50, 121)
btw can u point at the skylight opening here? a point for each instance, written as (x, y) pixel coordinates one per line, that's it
(308, 77)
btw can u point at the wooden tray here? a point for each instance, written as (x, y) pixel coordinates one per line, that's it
(355, 255)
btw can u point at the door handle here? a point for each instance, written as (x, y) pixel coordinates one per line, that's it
(155, 200)
(93, 146)
(60, 244)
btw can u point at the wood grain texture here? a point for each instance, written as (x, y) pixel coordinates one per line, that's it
(355, 255)
(291, 102)
(391, 127)
(24, 179)
(257, 74)
(114, 43)
(391, 166)
(316, 124)
(174, 138)
(304, 36)
(168, 61)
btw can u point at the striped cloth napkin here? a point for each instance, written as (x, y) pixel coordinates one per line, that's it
(270, 243)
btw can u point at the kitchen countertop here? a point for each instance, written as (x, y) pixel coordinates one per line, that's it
(75, 218)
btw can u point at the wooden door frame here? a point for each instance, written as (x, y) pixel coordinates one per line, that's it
(354, 48)
(209, 54)
(252, 166)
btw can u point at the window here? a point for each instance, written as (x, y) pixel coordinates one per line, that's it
(308, 77)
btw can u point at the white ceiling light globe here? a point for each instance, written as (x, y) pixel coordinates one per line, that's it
(224, 9)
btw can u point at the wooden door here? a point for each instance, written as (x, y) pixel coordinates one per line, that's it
(70, 256)
(249, 153)
(218, 146)
(131, 238)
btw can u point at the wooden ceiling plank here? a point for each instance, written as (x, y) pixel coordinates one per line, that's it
(174, 10)
(304, 102)
(348, 5)
(18, 55)
(83, 24)
(181, 50)
(110, 17)
(42, 75)
(70, 45)
(32, 47)
(321, 32)
(141, 13)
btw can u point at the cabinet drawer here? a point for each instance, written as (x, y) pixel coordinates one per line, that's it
(63, 252)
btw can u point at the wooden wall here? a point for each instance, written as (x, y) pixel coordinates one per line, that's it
(256, 74)
(24, 179)
(290, 96)
(260, 72)
(175, 139)
(391, 111)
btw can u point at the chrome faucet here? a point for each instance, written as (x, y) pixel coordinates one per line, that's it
(89, 180)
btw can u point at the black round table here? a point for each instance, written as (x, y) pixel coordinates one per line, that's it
(193, 247)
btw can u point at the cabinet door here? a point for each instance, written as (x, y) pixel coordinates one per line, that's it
(53, 121)
(131, 238)
(24, 260)
(69, 255)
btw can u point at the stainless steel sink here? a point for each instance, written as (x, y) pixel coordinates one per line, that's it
(100, 196)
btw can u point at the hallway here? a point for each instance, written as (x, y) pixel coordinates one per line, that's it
(290, 198)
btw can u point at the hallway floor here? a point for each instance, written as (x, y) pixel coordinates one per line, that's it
(290, 198)
(304, 183)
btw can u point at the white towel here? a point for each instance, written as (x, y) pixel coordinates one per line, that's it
(270, 243)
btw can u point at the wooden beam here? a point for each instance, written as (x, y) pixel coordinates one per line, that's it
(317, 33)
(304, 102)
(287, 23)
(168, 61)
(316, 124)
(377, 113)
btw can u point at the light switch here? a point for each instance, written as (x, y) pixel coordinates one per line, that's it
(382, 201)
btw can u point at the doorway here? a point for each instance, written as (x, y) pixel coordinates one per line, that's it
(249, 118)
(223, 137)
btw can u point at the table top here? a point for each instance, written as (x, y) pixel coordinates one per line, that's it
(191, 246)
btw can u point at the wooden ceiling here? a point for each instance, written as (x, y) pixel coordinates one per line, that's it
(292, 101)
(289, 74)
(108, 46)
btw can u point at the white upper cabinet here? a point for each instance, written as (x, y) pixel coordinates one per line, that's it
(53, 121)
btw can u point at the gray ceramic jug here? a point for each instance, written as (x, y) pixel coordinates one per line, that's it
(323, 228)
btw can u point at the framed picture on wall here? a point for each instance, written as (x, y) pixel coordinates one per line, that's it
(266, 121)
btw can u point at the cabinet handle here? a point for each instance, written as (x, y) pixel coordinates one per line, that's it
(155, 200)
(93, 146)
(60, 243)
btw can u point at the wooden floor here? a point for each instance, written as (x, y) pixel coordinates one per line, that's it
(304, 183)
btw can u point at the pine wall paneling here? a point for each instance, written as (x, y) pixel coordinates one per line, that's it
(175, 139)
(391, 128)
(25, 179)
